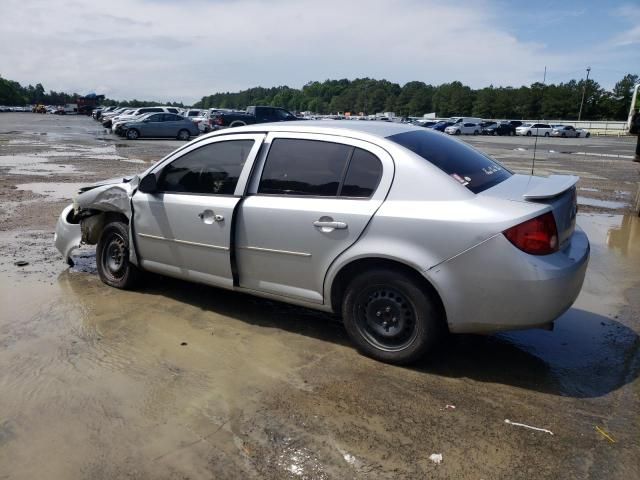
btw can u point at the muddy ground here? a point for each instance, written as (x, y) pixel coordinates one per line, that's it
(183, 381)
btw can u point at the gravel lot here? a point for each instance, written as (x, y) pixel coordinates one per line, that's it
(184, 381)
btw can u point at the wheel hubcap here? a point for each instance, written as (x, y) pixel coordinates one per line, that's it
(114, 258)
(386, 319)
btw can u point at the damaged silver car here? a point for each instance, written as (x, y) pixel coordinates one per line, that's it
(408, 234)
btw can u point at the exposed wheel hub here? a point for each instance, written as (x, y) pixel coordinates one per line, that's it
(384, 316)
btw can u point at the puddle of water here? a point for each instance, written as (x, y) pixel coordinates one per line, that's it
(595, 202)
(56, 191)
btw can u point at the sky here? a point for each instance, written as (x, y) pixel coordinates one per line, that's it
(182, 50)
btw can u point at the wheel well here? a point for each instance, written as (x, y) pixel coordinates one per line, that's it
(349, 271)
(92, 226)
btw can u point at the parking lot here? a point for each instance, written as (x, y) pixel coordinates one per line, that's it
(178, 380)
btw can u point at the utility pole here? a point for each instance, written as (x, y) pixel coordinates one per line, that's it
(584, 90)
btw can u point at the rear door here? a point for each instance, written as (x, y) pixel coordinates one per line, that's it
(184, 229)
(310, 198)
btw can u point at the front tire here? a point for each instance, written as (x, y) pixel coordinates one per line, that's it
(389, 317)
(133, 134)
(112, 257)
(528, 133)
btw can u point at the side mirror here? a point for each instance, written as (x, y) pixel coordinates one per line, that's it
(149, 184)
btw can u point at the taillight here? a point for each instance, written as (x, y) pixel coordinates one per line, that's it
(538, 236)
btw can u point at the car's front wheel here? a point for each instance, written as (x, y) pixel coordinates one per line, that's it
(389, 317)
(133, 134)
(528, 133)
(112, 257)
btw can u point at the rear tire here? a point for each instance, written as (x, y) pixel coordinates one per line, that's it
(389, 317)
(112, 257)
(183, 135)
(546, 134)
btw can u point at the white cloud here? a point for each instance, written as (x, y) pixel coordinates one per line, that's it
(186, 49)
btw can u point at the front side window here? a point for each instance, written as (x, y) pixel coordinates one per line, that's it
(213, 169)
(154, 118)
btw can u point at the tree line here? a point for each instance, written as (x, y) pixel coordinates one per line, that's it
(369, 96)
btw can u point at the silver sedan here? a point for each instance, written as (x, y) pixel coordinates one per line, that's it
(404, 232)
(564, 131)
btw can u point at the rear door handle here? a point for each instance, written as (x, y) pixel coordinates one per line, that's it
(325, 224)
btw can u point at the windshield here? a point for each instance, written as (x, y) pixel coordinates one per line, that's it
(465, 164)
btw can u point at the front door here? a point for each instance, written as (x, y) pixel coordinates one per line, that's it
(311, 201)
(184, 229)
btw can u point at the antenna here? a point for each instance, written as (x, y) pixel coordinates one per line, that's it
(535, 143)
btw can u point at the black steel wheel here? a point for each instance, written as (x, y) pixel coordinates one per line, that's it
(112, 257)
(390, 317)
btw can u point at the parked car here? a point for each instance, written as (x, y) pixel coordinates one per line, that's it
(120, 120)
(535, 129)
(463, 128)
(192, 113)
(563, 131)
(356, 199)
(158, 125)
(466, 120)
(423, 123)
(441, 125)
(499, 128)
(252, 116)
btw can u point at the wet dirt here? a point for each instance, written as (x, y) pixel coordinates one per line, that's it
(97, 382)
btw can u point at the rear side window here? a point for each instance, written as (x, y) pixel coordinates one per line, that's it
(363, 175)
(304, 167)
(213, 169)
(465, 164)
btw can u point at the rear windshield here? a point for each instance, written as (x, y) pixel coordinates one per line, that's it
(468, 166)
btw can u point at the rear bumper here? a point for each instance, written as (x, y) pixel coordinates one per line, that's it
(495, 286)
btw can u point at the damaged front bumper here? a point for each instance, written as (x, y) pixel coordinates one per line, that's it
(68, 234)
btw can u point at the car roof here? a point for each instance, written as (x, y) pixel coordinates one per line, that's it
(344, 128)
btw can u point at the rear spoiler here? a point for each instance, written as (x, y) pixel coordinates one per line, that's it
(554, 186)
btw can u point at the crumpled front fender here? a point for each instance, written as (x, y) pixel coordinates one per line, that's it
(68, 235)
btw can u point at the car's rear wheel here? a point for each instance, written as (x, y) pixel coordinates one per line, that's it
(546, 134)
(112, 257)
(133, 134)
(183, 135)
(475, 132)
(389, 317)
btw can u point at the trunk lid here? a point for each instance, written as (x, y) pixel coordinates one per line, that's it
(557, 191)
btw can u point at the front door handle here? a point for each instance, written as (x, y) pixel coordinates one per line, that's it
(330, 224)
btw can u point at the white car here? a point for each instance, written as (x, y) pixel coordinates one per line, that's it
(582, 132)
(535, 129)
(464, 129)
